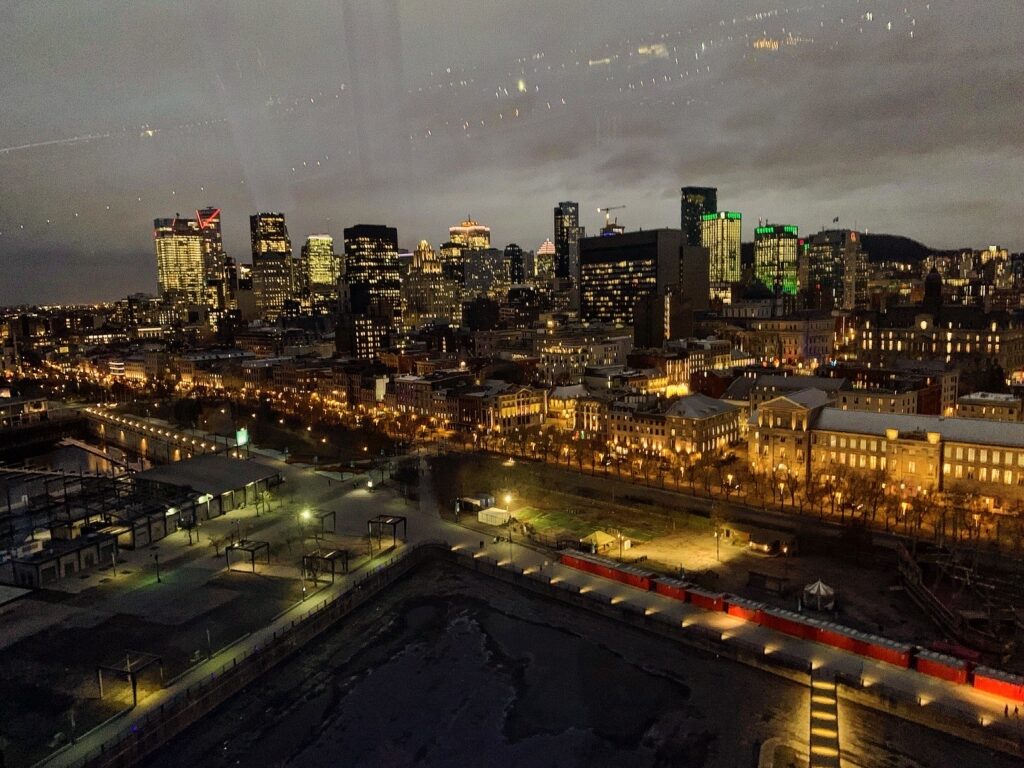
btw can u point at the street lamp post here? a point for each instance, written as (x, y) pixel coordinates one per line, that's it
(156, 559)
(718, 545)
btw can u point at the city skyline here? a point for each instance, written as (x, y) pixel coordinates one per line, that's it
(909, 148)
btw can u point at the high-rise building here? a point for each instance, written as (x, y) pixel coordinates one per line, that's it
(180, 269)
(696, 203)
(567, 236)
(486, 273)
(471, 235)
(856, 273)
(372, 271)
(544, 262)
(721, 233)
(428, 295)
(617, 272)
(833, 271)
(775, 258)
(273, 270)
(516, 265)
(453, 264)
(208, 221)
(321, 266)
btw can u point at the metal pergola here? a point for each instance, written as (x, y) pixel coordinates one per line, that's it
(375, 527)
(134, 663)
(317, 564)
(250, 547)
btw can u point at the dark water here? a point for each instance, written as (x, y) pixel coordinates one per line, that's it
(72, 459)
(452, 669)
(456, 671)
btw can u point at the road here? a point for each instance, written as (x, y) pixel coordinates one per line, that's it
(356, 504)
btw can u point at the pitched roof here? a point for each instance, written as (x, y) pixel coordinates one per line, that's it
(823, 383)
(698, 407)
(979, 431)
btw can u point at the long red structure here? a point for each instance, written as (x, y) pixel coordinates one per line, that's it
(926, 662)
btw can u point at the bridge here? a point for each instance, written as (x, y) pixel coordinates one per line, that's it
(153, 439)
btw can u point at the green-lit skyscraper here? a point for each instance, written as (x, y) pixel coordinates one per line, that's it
(776, 250)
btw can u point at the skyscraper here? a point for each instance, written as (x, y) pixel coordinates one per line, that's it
(833, 271)
(180, 269)
(428, 294)
(721, 234)
(567, 237)
(372, 270)
(775, 258)
(697, 202)
(321, 266)
(516, 265)
(208, 221)
(544, 262)
(273, 273)
(470, 235)
(617, 272)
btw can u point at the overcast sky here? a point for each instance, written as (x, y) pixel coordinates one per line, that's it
(901, 117)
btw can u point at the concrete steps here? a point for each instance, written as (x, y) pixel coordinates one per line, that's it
(824, 723)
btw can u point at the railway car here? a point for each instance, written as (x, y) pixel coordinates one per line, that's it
(941, 666)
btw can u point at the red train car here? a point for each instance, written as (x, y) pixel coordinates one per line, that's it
(941, 666)
(889, 651)
(608, 569)
(741, 608)
(999, 683)
(709, 601)
(788, 623)
(673, 588)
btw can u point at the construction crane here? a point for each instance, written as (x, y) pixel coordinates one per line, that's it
(606, 209)
(611, 228)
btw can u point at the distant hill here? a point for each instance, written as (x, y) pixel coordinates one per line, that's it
(894, 248)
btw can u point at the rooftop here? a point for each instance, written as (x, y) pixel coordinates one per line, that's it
(211, 473)
(989, 398)
(979, 431)
(698, 407)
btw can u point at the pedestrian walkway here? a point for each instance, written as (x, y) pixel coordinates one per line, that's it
(824, 727)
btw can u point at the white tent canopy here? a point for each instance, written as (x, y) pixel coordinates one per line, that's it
(819, 595)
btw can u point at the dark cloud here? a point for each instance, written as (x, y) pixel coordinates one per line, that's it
(417, 113)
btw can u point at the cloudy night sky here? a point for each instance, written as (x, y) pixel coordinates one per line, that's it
(899, 117)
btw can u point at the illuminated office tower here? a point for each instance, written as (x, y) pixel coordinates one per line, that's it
(544, 262)
(696, 203)
(567, 237)
(428, 295)
(516, 264)
(470, 235)
(208, 221)
(372, 271)
(775, 258)
(321, 266)
(721, 234)
(273, 272)
(833, 271)
(617, 272)
(453, 263)
(486, 273)
(180, 270)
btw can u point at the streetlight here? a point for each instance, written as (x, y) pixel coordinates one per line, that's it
(156, 559)
(718, 545)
